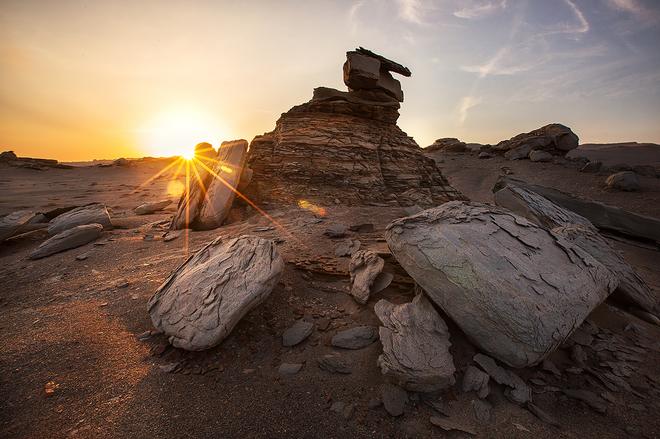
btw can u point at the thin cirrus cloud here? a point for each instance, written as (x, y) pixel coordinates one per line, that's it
(411, 11)
(479, 10)
(466, 103)
(636, 9)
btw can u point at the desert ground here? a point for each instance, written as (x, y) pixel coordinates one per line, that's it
(79, 357)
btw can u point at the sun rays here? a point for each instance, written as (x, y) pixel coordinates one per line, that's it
(197, 169)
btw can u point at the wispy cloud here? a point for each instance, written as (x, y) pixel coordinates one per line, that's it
(480, 9)
(637, 10)
(464, 106)
(352, 16)
(583, 25)
(411, 11)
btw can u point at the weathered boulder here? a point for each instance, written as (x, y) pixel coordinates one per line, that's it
(7, 156)
(555, 138)
(297, 333)
(201, 301)
(515, 289)
(149, 208)
(365, 266)
(579, 231)
(447, 144)
(357, 337)
(475, 379)
(206, 203)
(601, 215)
(415, 345)
(90, 214)
(623, 181)
(14, 222)
(68, 239)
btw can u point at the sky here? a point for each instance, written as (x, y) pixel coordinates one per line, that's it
(103, 79)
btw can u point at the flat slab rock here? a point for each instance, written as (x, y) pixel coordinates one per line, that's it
(148, 208)
(297, 333)
(203, 299)
(415, 345)
(355, 338)
(515, 289)
(68, 239)
(90, 214)
(581, 232)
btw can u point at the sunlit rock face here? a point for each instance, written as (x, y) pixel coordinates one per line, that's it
(345, 146)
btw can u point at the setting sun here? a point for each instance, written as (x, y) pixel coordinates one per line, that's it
(176, 132)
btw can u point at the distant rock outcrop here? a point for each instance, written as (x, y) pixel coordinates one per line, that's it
(347, 146)
(555, 139)
(10, 158)
(447, 144)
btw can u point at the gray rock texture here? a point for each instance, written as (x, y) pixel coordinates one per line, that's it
(203, 299)
(355, 338)
(415, 345)
(90, 214)
(68, 239)
(12, 223)
(297, 333)
(149, 208)
(365, 266)
(515, 289)
(579, 231)
(555, 137)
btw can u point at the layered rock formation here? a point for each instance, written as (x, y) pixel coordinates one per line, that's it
(554, 138)
(347, 146)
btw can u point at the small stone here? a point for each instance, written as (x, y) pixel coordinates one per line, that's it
(549, 366)
(82, 256)
(449, 425)
(374, 403)
(355, 338)
(169, 368)
(623, 181)
(542, 414)
(334, 364)
(289, 368)
(485, 155)
(475, 379)
(481, 410)
(394, 399)
(297, 333)
(335, 231)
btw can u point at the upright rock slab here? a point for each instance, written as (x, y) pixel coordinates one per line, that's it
(415, 345)
(203, 299)
(90, 214)
(68, 239)
(515, 289)
(206, 203)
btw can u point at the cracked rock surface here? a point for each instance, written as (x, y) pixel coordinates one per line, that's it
(202, 300)
(515, 289)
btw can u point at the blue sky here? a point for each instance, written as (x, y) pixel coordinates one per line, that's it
(88, 79)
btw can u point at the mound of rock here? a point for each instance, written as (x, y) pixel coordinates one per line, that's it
(554, 139)
(514, 288)
(200, 302)
(347, 146)
(10, 158)
(626, 181)
(447, 144)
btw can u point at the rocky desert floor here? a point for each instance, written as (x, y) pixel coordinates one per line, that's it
(77, 358)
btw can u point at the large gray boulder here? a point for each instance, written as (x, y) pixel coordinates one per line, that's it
(579, 231)
(415, 345)
(514, 288)
(203, 299)
(68, 239)
(90, 214)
